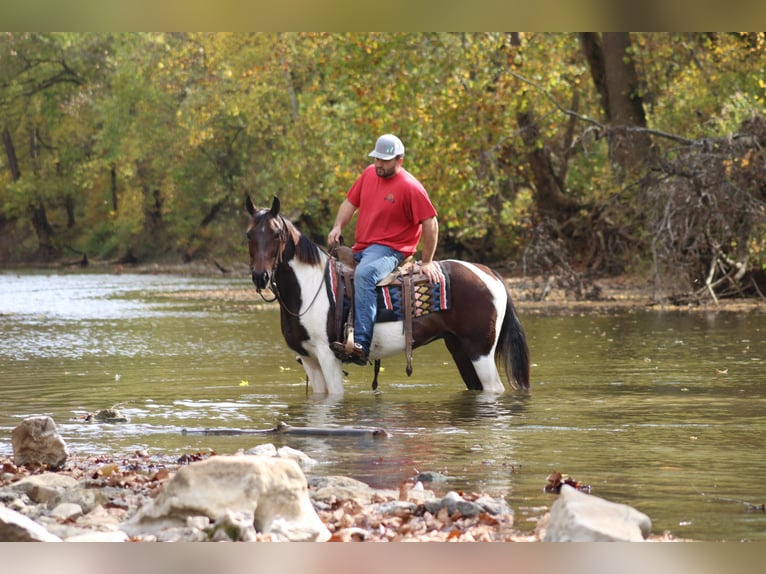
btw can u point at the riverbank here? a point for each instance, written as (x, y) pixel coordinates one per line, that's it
(615, 295)
(100, 499)
(532, 294)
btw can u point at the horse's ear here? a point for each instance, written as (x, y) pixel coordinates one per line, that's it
(249, 205)
(275, 206)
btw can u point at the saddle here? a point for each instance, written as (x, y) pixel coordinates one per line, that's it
(406, 276)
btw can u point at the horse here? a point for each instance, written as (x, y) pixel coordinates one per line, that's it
(480, 327)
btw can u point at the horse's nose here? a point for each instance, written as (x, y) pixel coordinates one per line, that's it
(260, 279)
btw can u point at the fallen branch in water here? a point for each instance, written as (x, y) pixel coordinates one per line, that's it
(284, 428)
(751, 507)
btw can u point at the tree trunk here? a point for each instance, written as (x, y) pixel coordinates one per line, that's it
(550, 198)
(44, 231)
(69, 205)
(614, 74)
(13, 167)
(10, 152)
(113, 178)
(628, 149)
(153, 222)
(594, 54)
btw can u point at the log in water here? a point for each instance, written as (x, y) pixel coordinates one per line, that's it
(284, 428)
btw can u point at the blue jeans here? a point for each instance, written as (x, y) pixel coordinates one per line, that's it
(373, 264)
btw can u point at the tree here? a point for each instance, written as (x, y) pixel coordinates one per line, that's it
(35, 74)
(613, 70)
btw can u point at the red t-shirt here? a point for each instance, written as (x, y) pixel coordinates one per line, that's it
(390, 210)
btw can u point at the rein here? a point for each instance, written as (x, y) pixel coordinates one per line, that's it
(273, 283)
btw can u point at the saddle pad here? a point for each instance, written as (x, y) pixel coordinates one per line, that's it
(427, 298)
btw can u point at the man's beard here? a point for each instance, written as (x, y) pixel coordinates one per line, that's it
(383, 172)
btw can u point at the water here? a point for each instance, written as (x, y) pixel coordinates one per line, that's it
(659, 410)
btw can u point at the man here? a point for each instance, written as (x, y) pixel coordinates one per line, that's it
(395, 212)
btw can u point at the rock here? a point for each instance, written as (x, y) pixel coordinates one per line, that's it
(103, 519)
(234, 527)
(453, 502)
(107, 416)
(394, 507)
(579, 517)
(430, 476)
(67, 511)
(304, 460)
(267, 449)
(114, 536)
(273, 491)
(85, 498)
(36, 440)
(185, 534)
(15, 527)
(494, 506)
(44, 488)
(328, 489)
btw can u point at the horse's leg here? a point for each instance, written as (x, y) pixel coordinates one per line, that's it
(375, 375)
(463, 363)
(314, 373)
(486, 369)
(479, 374)
(331, 370)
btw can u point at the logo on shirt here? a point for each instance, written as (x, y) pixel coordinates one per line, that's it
(390, 198)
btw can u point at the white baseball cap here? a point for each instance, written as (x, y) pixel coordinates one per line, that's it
(387, 147)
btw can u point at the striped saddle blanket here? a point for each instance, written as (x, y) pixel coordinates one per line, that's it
(426, 298)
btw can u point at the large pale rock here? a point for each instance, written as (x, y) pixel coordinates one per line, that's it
(579, 517)
(36, 440)
(15, 527)
(273, 491)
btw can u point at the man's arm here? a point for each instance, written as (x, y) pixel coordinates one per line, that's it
(345, 213)
(429, 240)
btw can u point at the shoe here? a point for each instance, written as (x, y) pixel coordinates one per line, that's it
(339, 349)
(358, 356)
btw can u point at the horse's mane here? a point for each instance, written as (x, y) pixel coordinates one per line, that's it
(305, 250)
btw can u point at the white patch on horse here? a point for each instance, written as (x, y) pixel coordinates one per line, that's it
(486, 367)
(387, 340)
(324, 370)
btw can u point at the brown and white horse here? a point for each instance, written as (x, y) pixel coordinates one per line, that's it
(480, 327)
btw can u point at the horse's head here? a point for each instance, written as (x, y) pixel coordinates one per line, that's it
(267, 236)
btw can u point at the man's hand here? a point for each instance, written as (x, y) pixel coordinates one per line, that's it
(333, 238)
(345, 213)
(431, 270)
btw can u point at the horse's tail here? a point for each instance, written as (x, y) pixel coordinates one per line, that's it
(512, 351)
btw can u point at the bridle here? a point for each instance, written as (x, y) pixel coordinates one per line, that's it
(272, 284)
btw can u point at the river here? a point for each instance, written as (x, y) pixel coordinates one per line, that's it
(657, 409)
